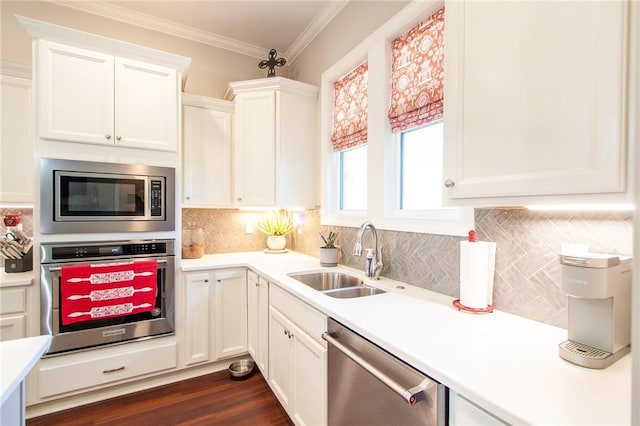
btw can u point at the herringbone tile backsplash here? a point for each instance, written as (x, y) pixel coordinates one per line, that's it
(527, 274)
(527, 269)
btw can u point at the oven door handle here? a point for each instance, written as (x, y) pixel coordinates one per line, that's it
(59, 268)
(411, 395)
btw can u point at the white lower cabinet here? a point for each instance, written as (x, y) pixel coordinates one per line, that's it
(297, 358)
(258, 321)
(215, 315)
(463, 412)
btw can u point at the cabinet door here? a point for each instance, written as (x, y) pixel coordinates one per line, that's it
(263, 327)
(197, 318)
(75, 94)
(535, 98)
(253, 297)
(13, 327)
(16, 152)
(310, 380)
(146, 105)
(281, 358)
(465, 413)
(207, 157)
(255, 151)
(230, 313)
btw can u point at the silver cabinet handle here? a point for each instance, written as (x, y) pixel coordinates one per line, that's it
(118, 138)
(449, 183)
(409, 395)
(113, 370)
(107, 136)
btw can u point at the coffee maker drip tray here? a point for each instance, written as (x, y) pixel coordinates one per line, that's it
(587, 356)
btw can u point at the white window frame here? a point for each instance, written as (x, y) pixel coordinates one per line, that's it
(382, 151)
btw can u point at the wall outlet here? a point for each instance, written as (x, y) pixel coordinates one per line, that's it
(248, 227)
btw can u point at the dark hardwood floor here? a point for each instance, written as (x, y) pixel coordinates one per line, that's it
(213, 399)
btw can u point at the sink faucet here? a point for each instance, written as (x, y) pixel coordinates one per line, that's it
(374, 268)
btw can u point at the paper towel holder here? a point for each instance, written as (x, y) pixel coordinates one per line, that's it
(459, 306)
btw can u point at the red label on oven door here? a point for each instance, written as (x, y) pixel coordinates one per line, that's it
(97, 291)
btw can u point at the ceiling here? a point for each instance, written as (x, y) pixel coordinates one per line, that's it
(249, 27)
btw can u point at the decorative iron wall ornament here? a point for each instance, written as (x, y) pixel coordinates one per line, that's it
(272, 63)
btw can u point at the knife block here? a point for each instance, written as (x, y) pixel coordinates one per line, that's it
(19, 265)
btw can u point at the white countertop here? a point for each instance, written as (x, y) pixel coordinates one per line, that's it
(17, 358)
(15, 278)
(507, 364)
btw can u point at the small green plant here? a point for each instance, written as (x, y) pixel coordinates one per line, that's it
(276, 223)
(329, 240)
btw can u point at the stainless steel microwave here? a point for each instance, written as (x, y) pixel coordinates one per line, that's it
(87, 197)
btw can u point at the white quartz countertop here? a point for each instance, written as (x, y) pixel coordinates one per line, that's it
(17, 358)
(15, 278)
(507, 364)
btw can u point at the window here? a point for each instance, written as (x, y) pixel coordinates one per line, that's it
(353, 179)
(421, 167)
(349, 136)
(396, 178)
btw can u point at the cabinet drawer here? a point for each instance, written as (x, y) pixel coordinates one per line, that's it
(79, 371)
(12, 327)
(310, 320)
(13, 300)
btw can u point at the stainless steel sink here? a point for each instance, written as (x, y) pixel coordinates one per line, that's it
(348, 293)
(322, 281)
(336, 284)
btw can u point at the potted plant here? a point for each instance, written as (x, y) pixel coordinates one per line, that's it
(276, 225)
(329, 252)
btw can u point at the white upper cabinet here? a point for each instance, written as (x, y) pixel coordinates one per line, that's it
(206, 145)
(96, 90)
(276, 143)
(16, 148)
(536, 99)
(92, 97)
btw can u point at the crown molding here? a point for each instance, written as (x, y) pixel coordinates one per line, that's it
(127, 16)
(314, 28)
(15, 69)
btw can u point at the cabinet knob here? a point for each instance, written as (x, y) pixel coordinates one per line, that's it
(187, 197)
(118, 138)
(107, 136)
(206, 281)
(449, 183)
(239, 198)
(257, 284)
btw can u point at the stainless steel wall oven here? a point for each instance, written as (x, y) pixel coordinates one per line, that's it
(102, 293)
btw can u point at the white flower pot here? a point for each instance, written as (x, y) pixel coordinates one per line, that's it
(328, 256)
(276, 242)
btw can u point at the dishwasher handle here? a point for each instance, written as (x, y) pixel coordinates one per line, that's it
(409, 395)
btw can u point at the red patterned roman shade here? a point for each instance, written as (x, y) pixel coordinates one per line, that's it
(417, 75)
(350, 110)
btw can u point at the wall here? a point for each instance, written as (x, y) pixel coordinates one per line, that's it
(351, 26)
(527, 270)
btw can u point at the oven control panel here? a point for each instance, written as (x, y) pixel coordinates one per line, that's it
(61, 252)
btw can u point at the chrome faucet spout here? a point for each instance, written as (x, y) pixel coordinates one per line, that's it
(374, 268)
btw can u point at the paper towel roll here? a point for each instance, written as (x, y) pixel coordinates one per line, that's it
(477, 266)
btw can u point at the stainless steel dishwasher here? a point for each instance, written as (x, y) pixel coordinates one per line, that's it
(369, 386)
